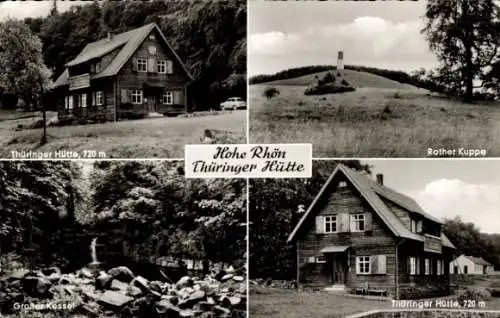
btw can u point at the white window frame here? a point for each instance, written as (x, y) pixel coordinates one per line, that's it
(355, 222)
(83, 100)
(70, 102)
(98, 67)
(321, 259)
(152, 37)
(162, 67)
(413, 225)
(99, 98)
(363, 265)
(413, 265)
(137, 97)
(166, 96)
(427, 266)
(142, 62)
(439, 266)
(329, 221)
(342, 184)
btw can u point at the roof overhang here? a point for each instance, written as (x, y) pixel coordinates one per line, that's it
(334, 249)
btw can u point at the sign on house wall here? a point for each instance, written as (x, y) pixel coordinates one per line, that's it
(80, 81)
(432, 244)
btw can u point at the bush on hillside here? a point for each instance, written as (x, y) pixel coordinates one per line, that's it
(270, 92)
(328, 85)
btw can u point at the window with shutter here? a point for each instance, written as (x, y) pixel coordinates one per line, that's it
(368, 221)
(382, 264)
(124, 97)
(363, 265)
(134, 64)
(320, 228)
(170, 67)
(344, 222)
(152, 65)
(374, 264)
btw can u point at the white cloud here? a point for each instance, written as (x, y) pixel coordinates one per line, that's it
(24, 9)
(367, 40)
(476, 203)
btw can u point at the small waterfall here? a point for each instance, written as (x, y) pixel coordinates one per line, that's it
(93, 252)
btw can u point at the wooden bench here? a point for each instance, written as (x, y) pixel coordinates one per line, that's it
(367, 290)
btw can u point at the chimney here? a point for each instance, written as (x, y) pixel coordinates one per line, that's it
(380, 178)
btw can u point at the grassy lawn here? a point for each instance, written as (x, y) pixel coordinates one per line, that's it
(373, 121)
(274, 302)
(146, 138)
(270, 302)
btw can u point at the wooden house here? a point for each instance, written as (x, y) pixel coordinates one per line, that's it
(470, 265)
(360, 236)
(126, 75)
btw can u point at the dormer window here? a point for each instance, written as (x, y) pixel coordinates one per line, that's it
(413, 226)
(98, 67)
(152, 49)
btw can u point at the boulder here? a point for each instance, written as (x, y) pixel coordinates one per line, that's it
(18, 274)
(86, 273)
(51, 270)
(185, 281)
(141, 283)
(133, 291)
(122, 273)
(114, 299)
(36, 286)
(103, 281)
(118, 285)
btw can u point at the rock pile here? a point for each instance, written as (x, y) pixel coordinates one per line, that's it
(92, 292)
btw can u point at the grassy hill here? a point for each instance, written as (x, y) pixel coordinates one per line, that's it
(355, 78)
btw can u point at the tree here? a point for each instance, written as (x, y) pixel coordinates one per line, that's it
(21, 60)
(465, 35)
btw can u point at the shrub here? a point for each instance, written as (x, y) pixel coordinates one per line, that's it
(397, 95)
(328, 89)
(270, 92)
(476, 294)
(327, 79)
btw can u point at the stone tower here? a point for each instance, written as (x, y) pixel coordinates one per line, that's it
(340, 62)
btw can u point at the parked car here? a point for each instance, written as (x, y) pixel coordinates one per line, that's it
(233, 103)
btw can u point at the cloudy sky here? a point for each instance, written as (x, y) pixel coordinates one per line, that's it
(24, 9)
(447, 188)
(376, 33)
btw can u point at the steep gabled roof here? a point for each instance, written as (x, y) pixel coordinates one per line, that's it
(127, 43)
(367, 188)
(478, 260)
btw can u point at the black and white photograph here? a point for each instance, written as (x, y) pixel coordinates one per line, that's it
(370, 79)
(121, 79)
(361, 237)
(86, 239)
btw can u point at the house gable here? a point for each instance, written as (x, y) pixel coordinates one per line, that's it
(163, 53)
(125, 44)
(358, 181)
(342, 200)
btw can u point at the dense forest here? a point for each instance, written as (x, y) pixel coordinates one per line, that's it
(274, 212)
(209, 36)
(417, 79)
(150, 204)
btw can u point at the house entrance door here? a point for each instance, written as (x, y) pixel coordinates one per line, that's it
(339, 267)
(152, 104)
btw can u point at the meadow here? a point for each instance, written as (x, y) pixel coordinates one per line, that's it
(144, 138)
(382, 118)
